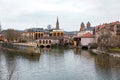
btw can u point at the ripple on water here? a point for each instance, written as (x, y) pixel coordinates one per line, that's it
(59, 64)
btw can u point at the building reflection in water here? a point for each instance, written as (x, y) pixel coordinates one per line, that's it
(59, 64)
(8, 67)
(9, 64)
(77, 51)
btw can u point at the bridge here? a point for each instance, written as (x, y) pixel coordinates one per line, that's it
(44, 43)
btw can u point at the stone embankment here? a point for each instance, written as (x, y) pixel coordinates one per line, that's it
(22, 48)
(95, 51)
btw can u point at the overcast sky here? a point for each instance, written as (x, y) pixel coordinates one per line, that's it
(22, 14)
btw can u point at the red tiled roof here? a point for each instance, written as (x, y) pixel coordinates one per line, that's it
(88, 35)
(108, 24)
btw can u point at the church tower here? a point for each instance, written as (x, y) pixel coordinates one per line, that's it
(57, 24)
(82, 28)
(88, 24)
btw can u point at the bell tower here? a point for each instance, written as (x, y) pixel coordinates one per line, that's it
(88, 24)
(82, 27)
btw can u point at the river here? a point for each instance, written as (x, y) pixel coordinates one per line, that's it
(58, 64)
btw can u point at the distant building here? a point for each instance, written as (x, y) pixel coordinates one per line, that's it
(88, 24)
(82, 27)
(86, 39)
(85, 36)
(86, 29)
(46, 37)
(70, 34)
(113, 27)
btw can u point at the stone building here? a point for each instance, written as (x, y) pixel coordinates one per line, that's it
(82, 27)
(88, 24)
(45, 37)
(85, 36)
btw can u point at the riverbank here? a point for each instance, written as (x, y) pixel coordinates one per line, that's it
(114, 50)
(21, 48)
(97, 52)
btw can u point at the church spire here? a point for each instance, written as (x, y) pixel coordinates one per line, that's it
(57, 24)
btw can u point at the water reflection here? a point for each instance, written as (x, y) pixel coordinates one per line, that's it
(107, 67)
(9, 64)
(59, 64)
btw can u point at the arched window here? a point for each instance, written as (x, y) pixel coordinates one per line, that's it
(35, 35)
(39, 35)
(61, 34)
(43, 41)
(40, 41)
(54, 34)
(58, 34)
(46, 41)
(49, 41)
(42, 34)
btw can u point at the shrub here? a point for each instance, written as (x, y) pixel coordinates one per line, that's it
(93, 45)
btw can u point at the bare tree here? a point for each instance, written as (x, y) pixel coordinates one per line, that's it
(11, 35)
(106, 40)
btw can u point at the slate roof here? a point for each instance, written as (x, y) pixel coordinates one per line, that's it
(89, 29)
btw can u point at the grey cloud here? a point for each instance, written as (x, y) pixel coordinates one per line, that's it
(29, 12)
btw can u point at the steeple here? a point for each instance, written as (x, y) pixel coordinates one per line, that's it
(57, 24)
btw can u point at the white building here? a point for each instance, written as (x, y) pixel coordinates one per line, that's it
(86, 39)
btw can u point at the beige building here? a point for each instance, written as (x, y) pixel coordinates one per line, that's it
(45, 37)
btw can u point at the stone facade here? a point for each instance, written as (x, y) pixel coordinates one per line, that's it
(45, 37)
(85, 36)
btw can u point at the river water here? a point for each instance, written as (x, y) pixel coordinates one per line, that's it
(58, 64)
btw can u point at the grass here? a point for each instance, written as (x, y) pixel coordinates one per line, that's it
(115, 49)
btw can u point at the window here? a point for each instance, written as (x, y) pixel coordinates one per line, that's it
(39, 35)
(61, 34)
(46, 41)
(49, 41)
(40, 41)
(54, 34)
(42, 34)
(58, 34)
(35, 35)
(43, 41)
